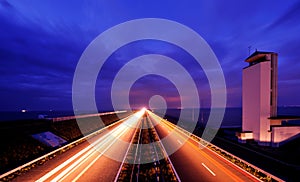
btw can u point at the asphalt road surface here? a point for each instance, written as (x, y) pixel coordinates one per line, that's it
(195, 163)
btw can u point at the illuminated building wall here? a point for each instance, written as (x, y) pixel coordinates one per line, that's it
(259, 95)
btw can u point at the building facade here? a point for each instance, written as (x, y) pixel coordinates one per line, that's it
(259, 96)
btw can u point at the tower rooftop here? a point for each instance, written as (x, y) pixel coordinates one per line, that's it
(259, 56)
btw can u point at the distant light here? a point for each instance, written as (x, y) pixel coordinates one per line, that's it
(141, 112)
(23, 110)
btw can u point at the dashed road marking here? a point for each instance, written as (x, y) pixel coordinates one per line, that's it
(208, 169)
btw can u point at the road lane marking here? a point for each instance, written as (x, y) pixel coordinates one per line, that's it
(208, 169)
(179, 142)
(217, 164)
(180, 133)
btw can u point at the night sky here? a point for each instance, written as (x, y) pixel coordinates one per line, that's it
(42, 41)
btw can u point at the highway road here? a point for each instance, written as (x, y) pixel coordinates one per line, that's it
(89, 161)
(193, 163)
(92, 161)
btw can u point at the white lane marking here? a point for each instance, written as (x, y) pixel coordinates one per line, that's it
(208, 169)
(179, 142)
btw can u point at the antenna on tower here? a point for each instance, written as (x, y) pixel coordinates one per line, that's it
(249, 49)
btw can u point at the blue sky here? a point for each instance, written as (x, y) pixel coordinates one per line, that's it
(42, 41)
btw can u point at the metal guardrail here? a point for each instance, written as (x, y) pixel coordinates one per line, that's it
(39, 161)
(260, 174)
(84, 116)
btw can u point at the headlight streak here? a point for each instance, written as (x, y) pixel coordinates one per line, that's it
(99, 146)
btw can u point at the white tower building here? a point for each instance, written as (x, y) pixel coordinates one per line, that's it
(259, 96)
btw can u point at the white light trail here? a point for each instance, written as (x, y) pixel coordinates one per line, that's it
(108, 139)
